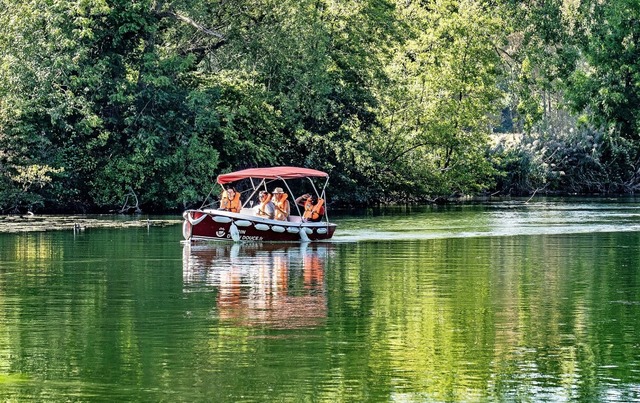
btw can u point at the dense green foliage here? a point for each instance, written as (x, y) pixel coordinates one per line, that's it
(105, 101)
(577, 89)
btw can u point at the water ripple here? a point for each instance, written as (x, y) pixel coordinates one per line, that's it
(492, 220)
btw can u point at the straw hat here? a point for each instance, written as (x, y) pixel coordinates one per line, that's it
(278, 191)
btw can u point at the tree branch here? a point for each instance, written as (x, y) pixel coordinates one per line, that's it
(193, 23)
(129, 208)
(405, 151)
(536, 191)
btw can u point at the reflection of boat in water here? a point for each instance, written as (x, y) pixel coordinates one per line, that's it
(275, 285)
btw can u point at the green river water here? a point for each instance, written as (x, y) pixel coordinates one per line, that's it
(502, 302)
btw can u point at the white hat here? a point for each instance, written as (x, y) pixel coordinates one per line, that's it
(277, 190)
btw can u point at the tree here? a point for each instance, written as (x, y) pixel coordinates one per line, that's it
(435, 113)
(99, 89)
(573, 94)
(607, 87)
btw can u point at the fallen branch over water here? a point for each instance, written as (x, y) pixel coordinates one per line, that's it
(75, 223)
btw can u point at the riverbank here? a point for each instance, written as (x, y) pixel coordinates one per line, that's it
(35, 223)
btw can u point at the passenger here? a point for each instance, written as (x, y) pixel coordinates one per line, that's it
(266, 208)
(282, 204)
(230, 200)
(313, 207)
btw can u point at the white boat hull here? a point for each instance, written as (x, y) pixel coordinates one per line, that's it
(226, 226)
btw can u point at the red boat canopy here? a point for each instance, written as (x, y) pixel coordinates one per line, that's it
(271, 173)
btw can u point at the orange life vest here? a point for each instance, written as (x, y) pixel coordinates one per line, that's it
(232, 205)
(313, 212)
(282, 207)
(262, 207)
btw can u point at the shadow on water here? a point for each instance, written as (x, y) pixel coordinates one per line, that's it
(275, 285)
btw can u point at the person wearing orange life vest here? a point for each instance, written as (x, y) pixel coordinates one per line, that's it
(265, 208)
(282, 204)
(230, 200)
(313, 207)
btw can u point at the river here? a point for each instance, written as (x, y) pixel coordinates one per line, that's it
(507, 301)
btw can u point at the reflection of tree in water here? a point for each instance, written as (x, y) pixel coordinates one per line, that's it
(274, 285)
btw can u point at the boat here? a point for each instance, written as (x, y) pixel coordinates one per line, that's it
(208, 223)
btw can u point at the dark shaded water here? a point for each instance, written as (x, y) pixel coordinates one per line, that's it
(506, 302)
